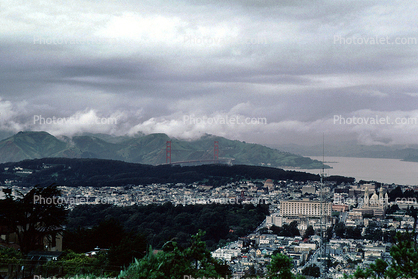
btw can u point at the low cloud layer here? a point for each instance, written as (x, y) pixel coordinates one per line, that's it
(289, 69)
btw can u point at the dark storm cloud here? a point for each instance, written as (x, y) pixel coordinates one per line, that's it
(155, 64)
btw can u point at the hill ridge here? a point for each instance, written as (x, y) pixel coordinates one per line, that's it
(145, 149)
(74, 172)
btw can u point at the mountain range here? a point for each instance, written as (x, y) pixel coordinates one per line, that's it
(145, 149)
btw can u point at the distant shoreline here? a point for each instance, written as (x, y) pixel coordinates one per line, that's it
(384, 170)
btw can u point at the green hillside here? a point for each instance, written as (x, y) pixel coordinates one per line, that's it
(145, 149)
(30, 145)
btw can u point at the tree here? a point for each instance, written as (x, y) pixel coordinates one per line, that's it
(389, 236)
(76, 264)
(130, 247)
(287, 229)
(309, 231)
(34, 217)
(312, 270)
(340, 229)
(276, 230)
(10, 255)
(329, 233)
(174, 262)
(293, 228)
(395, 193)
(354, 233)
(414, 213)
(379, 268)
(392, 209)
(404, 257)
(280, 267)
(360, 273)
(254, 272)
(373, 232)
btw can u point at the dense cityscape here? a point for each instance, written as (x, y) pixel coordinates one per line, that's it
(208, 139)
(358, 221)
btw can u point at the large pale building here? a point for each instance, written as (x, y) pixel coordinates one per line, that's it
(305, 208)
(305, 212)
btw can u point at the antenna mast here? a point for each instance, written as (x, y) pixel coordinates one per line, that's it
(322, 223)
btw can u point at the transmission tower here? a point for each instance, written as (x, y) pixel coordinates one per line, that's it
(323, 214)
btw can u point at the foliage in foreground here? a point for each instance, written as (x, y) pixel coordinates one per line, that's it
(280, 267)
(9, 256)
(74, 264)
(174, 262)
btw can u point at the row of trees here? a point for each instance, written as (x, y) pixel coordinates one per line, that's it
(34, 222)
(99, 172)
(373, 232)
(398, 193)
(159, 223)
(290, 230)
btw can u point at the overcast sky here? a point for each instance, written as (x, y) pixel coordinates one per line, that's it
(293, 70)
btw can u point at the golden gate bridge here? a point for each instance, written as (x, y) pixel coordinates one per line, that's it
(215, 160)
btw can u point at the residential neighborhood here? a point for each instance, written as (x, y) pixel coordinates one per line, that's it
(339, 227)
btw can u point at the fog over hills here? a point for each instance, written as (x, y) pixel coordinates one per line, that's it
(145, 149)
(295, 69)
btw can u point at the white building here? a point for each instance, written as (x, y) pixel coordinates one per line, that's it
(226, 254)
(274, 219)
(305, 208)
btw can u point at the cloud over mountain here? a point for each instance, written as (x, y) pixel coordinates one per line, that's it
(150, 65)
